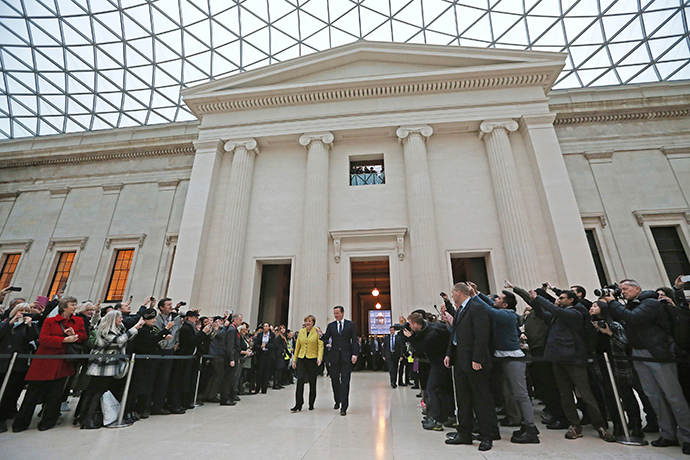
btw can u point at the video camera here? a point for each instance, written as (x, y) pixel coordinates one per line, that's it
(400, 327)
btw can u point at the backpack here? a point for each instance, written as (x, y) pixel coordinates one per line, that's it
(679, 328)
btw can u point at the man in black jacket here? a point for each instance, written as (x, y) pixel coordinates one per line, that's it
(183, 378)
(431, 341)
(392, 354)
(647, 326)
(470, 354)
(231, 363)
(343, 355)
(565, 340)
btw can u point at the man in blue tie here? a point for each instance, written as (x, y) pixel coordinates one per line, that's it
(392, 353)
(343, 355)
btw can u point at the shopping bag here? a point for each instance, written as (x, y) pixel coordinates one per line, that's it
(110, 407)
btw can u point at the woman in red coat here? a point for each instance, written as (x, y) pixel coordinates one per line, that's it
(47, 377)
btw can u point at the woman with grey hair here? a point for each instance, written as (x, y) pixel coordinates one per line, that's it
(111, 339)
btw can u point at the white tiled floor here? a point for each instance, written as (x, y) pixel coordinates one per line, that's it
(382, 423)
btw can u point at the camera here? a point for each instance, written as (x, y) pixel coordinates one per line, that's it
(602, 324)
(610, 290)
(400, 327)
(183, 303)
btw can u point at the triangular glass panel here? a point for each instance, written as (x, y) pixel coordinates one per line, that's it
(163, 23)
(190, 13)
(410, 13)
(648, 75)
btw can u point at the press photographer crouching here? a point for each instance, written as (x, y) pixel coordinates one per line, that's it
(647, 326)
(431, 340)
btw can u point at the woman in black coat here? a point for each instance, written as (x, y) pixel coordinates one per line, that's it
(279, 359)
(16, 334)
(264, 346)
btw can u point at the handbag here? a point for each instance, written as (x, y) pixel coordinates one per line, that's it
(123, 367)
(72, 348)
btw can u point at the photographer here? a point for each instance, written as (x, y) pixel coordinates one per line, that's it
(565, 341)
(507, 345)
(647, 326)
(16, 335)
(168, 347)
(613, 341)
(431, 340)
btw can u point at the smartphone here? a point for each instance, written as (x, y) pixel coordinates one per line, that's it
(64, 287)
(505, 283)
(131, 297)
(17, 288)
(685, 279)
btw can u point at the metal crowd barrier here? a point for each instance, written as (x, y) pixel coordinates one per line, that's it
(96, 357)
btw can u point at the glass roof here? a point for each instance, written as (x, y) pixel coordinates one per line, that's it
(75, 65)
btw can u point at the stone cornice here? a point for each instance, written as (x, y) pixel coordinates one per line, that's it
(343, 93)
(398, 233)
(603, 156)
(8, 196)
(168, 184)
(24, 245)
(137, 239)
(566, 119)
(249, 144)
(676, 152)
(593, 218)
(69, 242)
(92, 157)
(488, 126)
(661, 215)
(326, 138)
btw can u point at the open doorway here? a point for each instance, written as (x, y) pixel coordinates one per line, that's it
(368, 274)
(274, 297)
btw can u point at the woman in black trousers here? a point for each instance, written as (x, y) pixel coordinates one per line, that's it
(307, 359)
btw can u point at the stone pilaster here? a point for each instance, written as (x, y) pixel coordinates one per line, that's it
(187, 266)
(425, 256)
(523, 267)
(226, 294)
(312, 265)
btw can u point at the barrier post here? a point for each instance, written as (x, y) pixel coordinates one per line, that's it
(198, 379)
(627, 440)
(7, 376)
(125, 395)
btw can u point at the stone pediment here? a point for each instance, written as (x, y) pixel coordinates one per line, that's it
(374, 69)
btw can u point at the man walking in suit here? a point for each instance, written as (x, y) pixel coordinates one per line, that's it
(469, 353)
(392, 353)
(343, 355)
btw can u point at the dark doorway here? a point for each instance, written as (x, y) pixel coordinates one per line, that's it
(470, 269)
(367, 275)
(274, 299)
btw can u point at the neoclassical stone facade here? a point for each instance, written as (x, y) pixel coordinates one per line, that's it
(481, 160)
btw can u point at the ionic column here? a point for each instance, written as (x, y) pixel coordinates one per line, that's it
(426, 268)
(312, 265)
(226, 294)
(523, 268)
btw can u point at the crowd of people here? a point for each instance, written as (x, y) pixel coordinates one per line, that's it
(586, 361)
(479, 358)
(173, 348)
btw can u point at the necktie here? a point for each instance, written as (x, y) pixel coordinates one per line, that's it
(392, 343)
(340, 327)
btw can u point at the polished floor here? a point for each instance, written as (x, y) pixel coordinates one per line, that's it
(382, 423)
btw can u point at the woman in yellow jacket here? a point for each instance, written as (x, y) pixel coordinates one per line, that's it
(307, 359)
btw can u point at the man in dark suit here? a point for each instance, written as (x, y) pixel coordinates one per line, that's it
(343, 355)
(469, 353)
(231, 363)
(264, 344)
(392, 353)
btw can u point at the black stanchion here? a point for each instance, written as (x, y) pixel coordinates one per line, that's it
(7, 376)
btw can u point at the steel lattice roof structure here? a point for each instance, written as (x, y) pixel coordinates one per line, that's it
(82, 65)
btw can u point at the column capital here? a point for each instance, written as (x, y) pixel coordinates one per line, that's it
(208, 144)
(489, 125)
(326, 138)
(249, 144)
(544, 120)
(423, 130)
